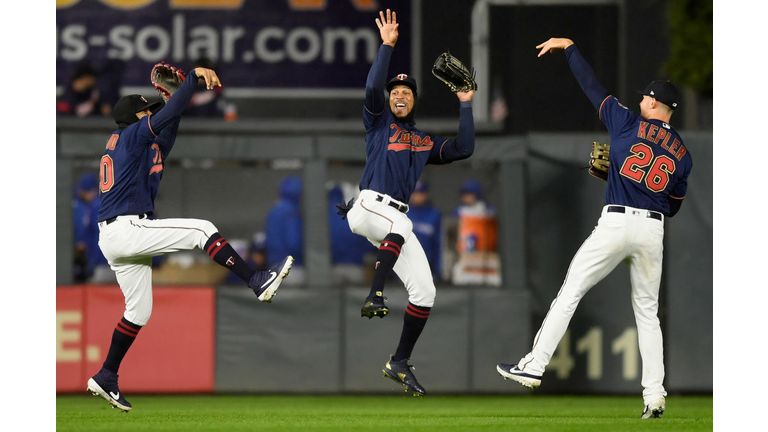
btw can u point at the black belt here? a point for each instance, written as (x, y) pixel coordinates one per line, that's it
(620, 209)
(112, 219)
(401, 208)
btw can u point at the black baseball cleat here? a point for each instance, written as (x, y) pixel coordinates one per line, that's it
(104, 384)
(514, 373)
(400, 372)
(374, 306)
(266, 283)
(654, 409)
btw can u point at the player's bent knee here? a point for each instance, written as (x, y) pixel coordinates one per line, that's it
(208, 228)
(404, 229)
(424, 297)
(138, 318)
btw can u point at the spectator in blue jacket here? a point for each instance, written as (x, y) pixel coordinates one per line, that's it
(88, 256)
(427, 225)
(284, 228)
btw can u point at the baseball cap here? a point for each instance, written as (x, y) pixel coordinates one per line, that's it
(402, 79)
(126, 108)
(259, 242)
(663, 91)
(471, 186)
(87, 182)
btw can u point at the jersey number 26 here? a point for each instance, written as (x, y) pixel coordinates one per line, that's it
(658, 175)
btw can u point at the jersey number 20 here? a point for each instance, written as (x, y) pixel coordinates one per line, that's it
(106, 173)
(642, 156)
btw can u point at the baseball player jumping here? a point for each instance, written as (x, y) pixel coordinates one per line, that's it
(647, 180)
(131, 170)
(397, 153)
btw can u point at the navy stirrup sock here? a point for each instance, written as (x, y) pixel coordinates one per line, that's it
(122, 338)
(413, 323)
(386, 258)
(224, 254)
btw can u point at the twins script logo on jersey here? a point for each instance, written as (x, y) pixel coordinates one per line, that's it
(405, 140)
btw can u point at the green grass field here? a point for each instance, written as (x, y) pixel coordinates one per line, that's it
(529, 413)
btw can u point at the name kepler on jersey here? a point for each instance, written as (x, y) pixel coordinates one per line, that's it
(651, 132)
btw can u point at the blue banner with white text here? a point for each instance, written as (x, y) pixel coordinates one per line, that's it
(252, 44)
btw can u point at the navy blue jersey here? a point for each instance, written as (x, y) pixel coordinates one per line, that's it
(648, 160)
(132, 165)
(397, 152)
(649, 164)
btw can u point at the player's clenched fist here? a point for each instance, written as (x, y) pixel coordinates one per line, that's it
(388, 27)
(553, 44)
(211, 79)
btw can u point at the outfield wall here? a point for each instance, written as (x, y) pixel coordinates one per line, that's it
(206, 339)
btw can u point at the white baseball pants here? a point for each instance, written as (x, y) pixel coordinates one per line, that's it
(375, 219)
(633, 237)
(129, 243)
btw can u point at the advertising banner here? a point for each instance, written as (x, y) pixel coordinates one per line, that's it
(289, 45)
(173, 353)
(70, 339)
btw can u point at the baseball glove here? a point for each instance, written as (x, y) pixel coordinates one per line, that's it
(343, 209)
(598, 160)
(452, 71)
(166, 79)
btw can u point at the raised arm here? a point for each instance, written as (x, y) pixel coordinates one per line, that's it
(167, 137)
(377, 76)
(463, 145)
(581, 69)
(179, 101)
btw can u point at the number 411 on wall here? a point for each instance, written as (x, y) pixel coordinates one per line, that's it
(591, 343)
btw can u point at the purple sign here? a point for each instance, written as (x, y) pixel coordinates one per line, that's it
(254, 44)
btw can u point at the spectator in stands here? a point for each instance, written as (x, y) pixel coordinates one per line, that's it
(477, 227)
(284, 229)
(477, 235)
(82, 96)
(471, 195)
(88, 259)
(255, 256)
(427, 225)
(257, 253)
(212, 104)
(348, 250)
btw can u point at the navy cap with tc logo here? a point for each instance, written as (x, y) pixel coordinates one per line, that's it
(402, 79)
(126, 108)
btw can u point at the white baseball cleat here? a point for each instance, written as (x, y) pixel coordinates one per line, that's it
(512, 372)
(654, 409)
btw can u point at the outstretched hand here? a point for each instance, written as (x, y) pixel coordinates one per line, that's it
(211, 79)
(465, 96)
(388, 27)
(553, 44)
